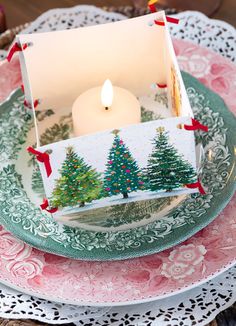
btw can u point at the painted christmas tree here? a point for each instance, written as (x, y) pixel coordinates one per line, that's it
(79, 183)
(122, 175)
(167, 169)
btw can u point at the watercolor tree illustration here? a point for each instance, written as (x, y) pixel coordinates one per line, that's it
(122, 174)
(78, 184)
(166, 168)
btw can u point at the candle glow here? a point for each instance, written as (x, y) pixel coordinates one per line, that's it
(107, 94)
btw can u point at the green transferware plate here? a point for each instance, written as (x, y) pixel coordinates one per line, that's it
(128, 230)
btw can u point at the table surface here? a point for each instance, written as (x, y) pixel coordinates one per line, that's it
(22, 11)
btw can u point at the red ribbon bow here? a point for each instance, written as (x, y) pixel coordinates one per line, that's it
(36, 103)
(15, 48)
(44, 206)
(196, 125)
(162, 85)
(196, 185)
(43, 158)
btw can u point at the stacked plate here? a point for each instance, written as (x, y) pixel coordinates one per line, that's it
(143, 252)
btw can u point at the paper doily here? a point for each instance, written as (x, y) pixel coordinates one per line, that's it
(194, 26)
(16, 305)
(195, 307)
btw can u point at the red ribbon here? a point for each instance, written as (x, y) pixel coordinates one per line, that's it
(196, 185)
(36, 103)
(152, 7)
(162, 85)
(159, 22)
(43, 158)
(44, 206)
(15, 48)
(169, 19)
(172, 20)
(196, 125)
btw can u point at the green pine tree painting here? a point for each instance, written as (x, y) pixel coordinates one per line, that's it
(122, 174)
(79, 183)
(167, 169)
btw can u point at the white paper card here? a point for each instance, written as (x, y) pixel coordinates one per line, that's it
(132, 53)
(139, 162)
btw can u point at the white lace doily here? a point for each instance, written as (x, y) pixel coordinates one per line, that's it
(193, 26)
(15, 305)
(195, 307)
(2, 54)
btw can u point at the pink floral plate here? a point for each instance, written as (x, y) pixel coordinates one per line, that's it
(201, 257)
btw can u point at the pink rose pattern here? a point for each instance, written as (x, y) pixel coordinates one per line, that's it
(210, 68)
(25, 269)
(11, 248)
(10, 77)
(188, 254)
(197, 258)
(182, 261)
(176, 270)
(198, 65)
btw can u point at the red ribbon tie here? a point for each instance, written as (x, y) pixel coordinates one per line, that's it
(169, 19)
(36, 103)
(159, 22)
(151, 5)
(196, 185)
(172, 20)
(43, 158)
(152, 8)
(162, 85)
(44, 206)
(15, 48)
(196, 125)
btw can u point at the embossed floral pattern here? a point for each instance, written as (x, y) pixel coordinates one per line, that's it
(10, 78)
(176, 270)
(25, 269)
(219, 73)
(188, 254)
(182, 260)
(20, 122)
(198, 65)
(11, 248)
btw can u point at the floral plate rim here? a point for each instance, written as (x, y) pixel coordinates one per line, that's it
(119, 303)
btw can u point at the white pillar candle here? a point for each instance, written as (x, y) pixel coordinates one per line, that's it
(102, 108)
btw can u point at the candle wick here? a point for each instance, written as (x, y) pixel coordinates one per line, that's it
(106, 108)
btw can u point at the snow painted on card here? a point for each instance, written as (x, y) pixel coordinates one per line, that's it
(94, 150)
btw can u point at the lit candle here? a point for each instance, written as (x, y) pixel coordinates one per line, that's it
(105, 107)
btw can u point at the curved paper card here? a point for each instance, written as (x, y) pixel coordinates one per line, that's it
(139, 162)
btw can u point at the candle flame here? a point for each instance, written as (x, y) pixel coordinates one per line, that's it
(107, 94)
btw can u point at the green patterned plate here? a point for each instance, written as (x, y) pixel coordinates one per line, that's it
(132, 230)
